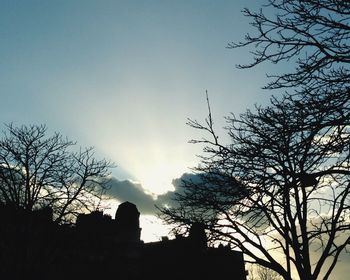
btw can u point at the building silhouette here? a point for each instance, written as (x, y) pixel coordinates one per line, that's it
(100, 247)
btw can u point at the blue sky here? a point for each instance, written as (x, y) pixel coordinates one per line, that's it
(124, 76)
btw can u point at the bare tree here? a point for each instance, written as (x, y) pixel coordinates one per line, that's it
(280, 187)
(39, 171)
(311, 35)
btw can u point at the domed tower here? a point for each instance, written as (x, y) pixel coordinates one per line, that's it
(197, 236)
(127, 222)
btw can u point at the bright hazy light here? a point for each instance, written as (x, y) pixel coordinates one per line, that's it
(157, 178)
(152, 228)
(154, 165)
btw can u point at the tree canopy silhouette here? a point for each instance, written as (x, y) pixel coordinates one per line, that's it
(39, 171)
(281, 184)
(280, 187)
(313, 36)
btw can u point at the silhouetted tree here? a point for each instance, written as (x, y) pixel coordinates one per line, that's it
(39, 171)
(313, 36)
(282, 183)
(280, 187)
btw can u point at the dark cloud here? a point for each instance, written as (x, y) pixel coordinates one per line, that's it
(168, 197)
(195, 178)
(130, 191)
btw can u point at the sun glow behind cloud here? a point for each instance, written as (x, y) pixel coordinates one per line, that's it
(154, 167)
(157, 176)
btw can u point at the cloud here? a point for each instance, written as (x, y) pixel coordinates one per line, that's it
(168, 197)
(177, 183)
(126, 190)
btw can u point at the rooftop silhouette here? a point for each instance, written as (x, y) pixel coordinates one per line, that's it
(99, 246)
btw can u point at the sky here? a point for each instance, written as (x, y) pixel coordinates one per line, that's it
(124, 76)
